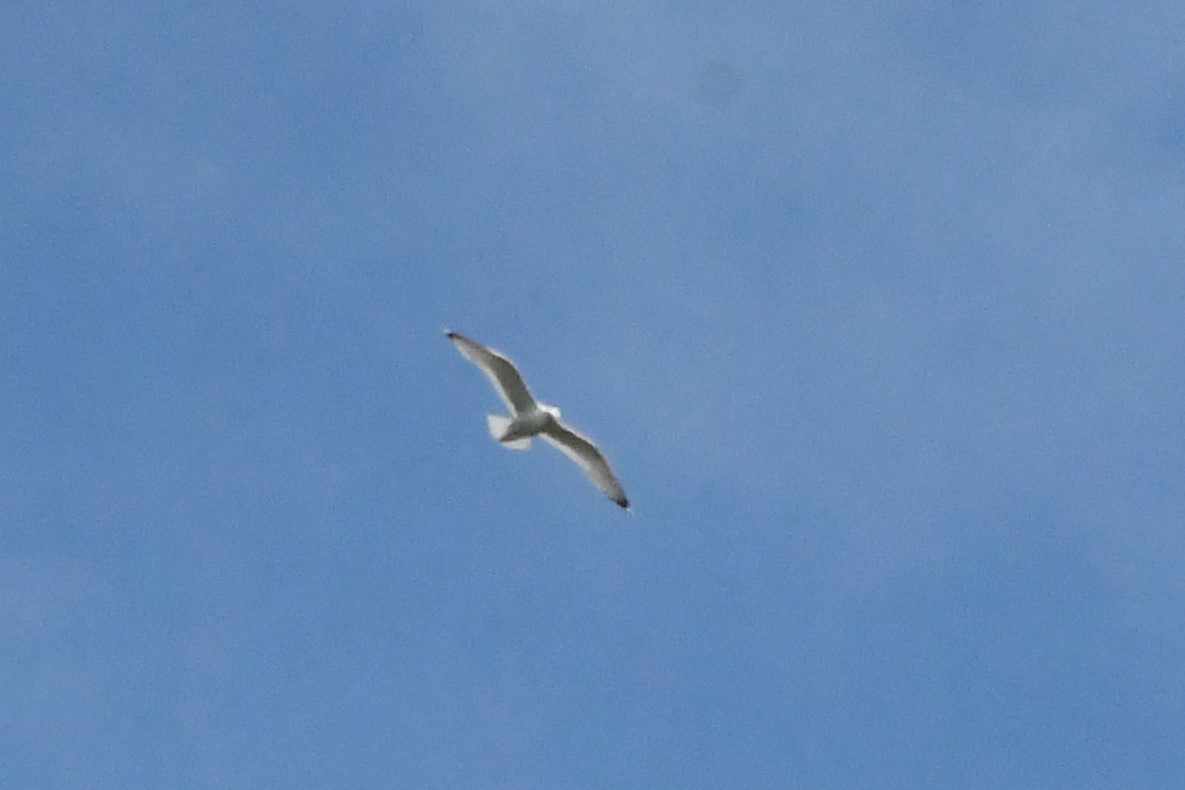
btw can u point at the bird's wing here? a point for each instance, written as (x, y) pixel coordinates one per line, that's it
(581, 450)
(500, 370)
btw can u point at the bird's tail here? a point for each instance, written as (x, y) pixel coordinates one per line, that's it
(498, 426)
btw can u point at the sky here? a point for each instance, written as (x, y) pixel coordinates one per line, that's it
(875, 308)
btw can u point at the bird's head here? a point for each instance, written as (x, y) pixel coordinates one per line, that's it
(554, 411)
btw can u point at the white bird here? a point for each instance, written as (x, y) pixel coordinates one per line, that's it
(531, 418)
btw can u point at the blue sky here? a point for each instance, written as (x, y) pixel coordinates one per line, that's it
(876, 309)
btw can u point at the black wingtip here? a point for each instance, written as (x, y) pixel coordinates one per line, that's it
(623, 503)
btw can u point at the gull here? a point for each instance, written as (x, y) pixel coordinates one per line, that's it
(532, 418)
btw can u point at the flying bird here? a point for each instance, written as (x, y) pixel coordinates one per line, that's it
(532, 418)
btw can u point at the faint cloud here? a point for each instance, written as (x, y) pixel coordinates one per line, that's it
(717, 84)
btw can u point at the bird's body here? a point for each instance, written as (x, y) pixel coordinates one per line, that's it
(522, 426)
(530, 418)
